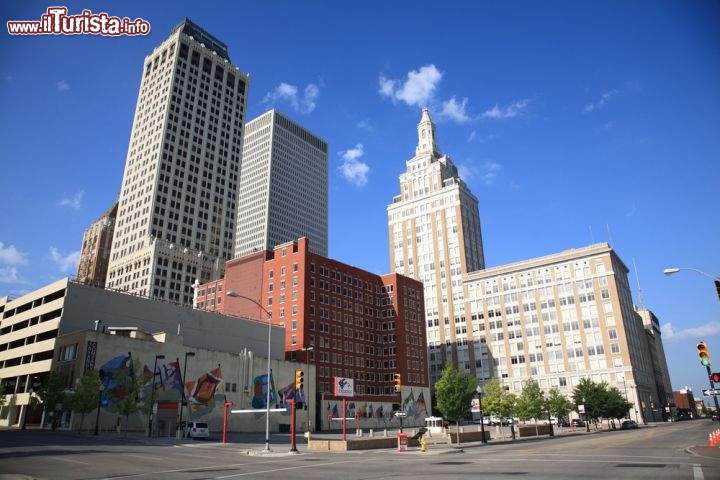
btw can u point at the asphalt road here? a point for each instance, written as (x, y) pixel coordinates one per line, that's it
(657, 452)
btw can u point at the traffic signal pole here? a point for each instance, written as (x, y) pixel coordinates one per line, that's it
(712, 385)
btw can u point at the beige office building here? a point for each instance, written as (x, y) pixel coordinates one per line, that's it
(177, 207)
(434, 236)
(558, 319)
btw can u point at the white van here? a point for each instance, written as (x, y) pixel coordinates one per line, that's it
(196, 430)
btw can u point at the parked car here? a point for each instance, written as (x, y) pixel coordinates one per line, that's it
(716, 417)
(563, 422)
(628, 424)
(196, 430)
(576, 422)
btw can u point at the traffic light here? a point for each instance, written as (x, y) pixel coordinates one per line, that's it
(398, 382)
(715, 377)
(704, 355)
(298, 379)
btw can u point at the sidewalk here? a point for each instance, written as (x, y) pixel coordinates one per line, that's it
(254, 443)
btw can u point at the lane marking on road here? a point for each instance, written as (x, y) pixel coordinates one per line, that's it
(142, 457)
(294, 467)
(223, 466)
(589, 459)
(68, 460)
(697, 472)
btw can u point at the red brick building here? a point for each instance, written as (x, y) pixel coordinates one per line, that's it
(357, 324)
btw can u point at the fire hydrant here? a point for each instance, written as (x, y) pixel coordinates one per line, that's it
(422, 444)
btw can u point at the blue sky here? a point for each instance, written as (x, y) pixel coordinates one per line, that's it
(572, 122)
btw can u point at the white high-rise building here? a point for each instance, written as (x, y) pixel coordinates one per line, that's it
(177, 207)
(283, 186)
(434, 234)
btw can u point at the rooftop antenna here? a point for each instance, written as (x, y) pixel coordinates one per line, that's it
(641, 299)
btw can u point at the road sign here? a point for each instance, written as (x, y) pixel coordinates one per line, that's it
(709, 392)
(401, 414)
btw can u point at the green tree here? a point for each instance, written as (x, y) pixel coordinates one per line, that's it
(133, 383)
(86, 395)
(51, 394)
(530, 402)
(593, 395)
(2, 394)
(498, 401)
(559, 405)
(454, 392)
(615, 405)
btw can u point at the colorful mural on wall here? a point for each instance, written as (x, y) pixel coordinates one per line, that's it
(116, 373)
(168, 382)
(289, 392)
(413, 408)
(259, 399)
(200, 393)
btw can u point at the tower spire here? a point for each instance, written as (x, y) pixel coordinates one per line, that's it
(426, 135)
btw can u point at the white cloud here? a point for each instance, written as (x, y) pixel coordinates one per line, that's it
(9, 275)
(474, 137)
(11, 256)
(307, 104)
(672, 335)
(62, 86)
(490, 171)
(632, 211)
(387, 87)
(453, 110)
(510, 111)
(365, 125)
(64, 262)
(601, 103)
(418, 90)
(74, 202)
(286, 93)
(353, 170)
(487, 172)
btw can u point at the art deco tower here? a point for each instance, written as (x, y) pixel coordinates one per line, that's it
(434, 235)
(178, 200)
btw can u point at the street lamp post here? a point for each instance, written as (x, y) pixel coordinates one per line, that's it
(233, 294)
(183, 399)
(587, 423)
(97, 417)
(714, 278)
(479, 391)
(27, 409)
(307, 393)
(547, 407)
(152, 395)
